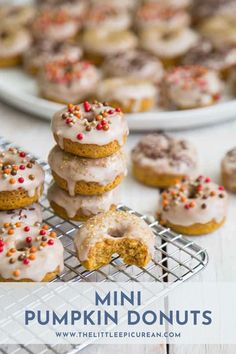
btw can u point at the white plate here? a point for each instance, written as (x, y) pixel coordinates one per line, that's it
(19, 90)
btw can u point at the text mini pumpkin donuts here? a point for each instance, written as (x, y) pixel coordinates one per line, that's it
(21, 179)
(114, 232)
(90, 130)
(193, 206)
(29, 253)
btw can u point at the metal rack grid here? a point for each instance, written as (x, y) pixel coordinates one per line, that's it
(176, 259)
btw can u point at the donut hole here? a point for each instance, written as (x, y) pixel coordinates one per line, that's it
(21, 246)
(116, 232)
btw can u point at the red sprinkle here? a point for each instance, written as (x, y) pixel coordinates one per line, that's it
(22, 167)
(42, 232)
(118, 109)
(26, 228)
(187, 206)
(208, 180)
(87, 106)
(50, 242)
(80, 136)
(221, 188)
(68, 121)
(199, 188)
(111, 111)
(2, 243)
(103, 122)
(21, 180)
(99, 126)
(28, 239)
(22, 154)
(1, 249)
(26, 261)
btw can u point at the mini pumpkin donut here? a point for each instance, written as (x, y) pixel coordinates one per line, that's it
(98, 44)
(193, 207)
(132, 95)
(29, 253)
(80, 207)
(170, 47)
(65, 81)
(159, 160)
(43, 51)
(135, 64)
(13, 44)
(30, 215)
(86, 176)
(191, 86)
(21, 180)
(16, 15)
(90, 130)
(55, 25)
(204, 53)
(108, 18)
(75, 8)
(114, 232)
(162, 17)
(228, 170)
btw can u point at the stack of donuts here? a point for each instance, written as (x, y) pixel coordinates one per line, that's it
(87, 163)
(29, 251)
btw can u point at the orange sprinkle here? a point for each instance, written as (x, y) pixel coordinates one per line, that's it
(70, 105)
(165, 202)
(99, 117)
(16, 273)
(12, 181)
(45, 227)
(32, 257)
(15, 167)
(8, 254)
(78, 115)
(43, 244)
(12, 250)
(11, 232)
(33, 249)
(192, 204)
(213, 193)
(53, 234)
(6, 225)
(18, 224)
(7, 171)
(105, 114)
(183, 198)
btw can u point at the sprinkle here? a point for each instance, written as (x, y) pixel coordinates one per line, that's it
(80, 136)
(1, 249)
(33, 249)
(26, 261)
(213, 193)
(12, 250)
(207, 180)
(22, 154)
(16, 273)
(42, 232)
(187, 206)
(50, 242)
(11, 232)
(21, 180)
(12, 260)
(221, 195)
(22, 167)
(32, 257)
(221, 188)
(26, 228)
(99, 117)
(21, 257)
(53, 234)
(87, 106)
(192, 204)
(12, 181)
(28, 239)
(2, 243)
(99, 126)
(31, 177)
(18, 224)
(118, 109)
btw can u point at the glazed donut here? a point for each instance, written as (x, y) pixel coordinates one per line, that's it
(98, 44)
(131, 95)
(30, 215)
(55, 25)
(42, 52)
(228, 169)
(135, 64)
(80, 207)
(90, 130)
(114, 232)
(159, 160)
(86, 176)
(29, 253)
(204, 53)
(193, 207)
(75, 8)
(168, 46)
(16, 15)
(107, 17)
(21, 179)
(65, 81)
(161, 17)
(13, 44)
(190, 86)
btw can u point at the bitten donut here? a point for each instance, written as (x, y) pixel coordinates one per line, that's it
(228, 170)
(135, 64)
(29, 253)
(80, 207)
(190, 86)
(90, 130)
(67, 81)
(13, 44)
(193, 207)
(86, 176)
(98, 44)
(159, 160)
(21, 179)
(131, 95)
(114, 232)
(170, 47)
(42, 52)
(30, 215)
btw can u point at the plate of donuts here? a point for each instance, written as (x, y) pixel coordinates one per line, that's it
(20, 91)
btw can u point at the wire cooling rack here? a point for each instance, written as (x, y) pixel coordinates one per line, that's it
(176, 260)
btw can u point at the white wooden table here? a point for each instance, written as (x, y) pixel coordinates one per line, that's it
(212, 142)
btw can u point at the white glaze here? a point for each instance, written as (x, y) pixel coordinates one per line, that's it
(32, 186)
(168, 44)
(177, 214)
(47, 259)
(134, 64)
(29, 214)
(118, 128)
(166, 155)
(87, 205)
(16, 43)
(106, 43)
(228, 168)
(97, 230)
(76, 169)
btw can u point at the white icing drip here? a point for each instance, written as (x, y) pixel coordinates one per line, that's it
(97, 230)
(74, 169)
(118, 128)
(16, 44)
(88, 205)
(29, 214)
(47, 259)
(32, 186)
